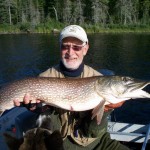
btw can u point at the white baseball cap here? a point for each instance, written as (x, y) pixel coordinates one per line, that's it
(74, 31)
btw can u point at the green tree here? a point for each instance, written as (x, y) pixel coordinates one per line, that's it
(77, 12)
(100, 11)
(8, 6)
(146, 12)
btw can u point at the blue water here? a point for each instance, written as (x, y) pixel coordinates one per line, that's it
(25, 55)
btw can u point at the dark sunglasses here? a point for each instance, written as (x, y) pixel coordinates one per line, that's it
(74, 47)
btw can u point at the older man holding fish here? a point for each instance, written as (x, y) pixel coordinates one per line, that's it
(77, 129)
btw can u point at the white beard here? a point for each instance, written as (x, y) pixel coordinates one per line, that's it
(72, 64)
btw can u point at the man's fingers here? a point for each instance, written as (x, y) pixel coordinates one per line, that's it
(29, 102)
(26, 99)
(30, 99)
(106, 109)
(113, 106)
(16, 102)
(38, 101)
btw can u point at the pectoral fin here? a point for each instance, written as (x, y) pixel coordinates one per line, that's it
(98, 112)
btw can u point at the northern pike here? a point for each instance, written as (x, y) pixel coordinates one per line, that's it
(75, 94)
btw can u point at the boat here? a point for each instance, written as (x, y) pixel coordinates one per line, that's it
(19, 120)
(134, 135)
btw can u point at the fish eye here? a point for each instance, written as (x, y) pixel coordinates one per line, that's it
(127, 79)
(124, 79)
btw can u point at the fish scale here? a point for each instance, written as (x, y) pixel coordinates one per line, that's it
(47, 89)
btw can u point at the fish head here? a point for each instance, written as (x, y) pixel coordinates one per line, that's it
(115, 89)
(135, 88)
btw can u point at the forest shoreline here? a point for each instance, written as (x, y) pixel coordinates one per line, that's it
(95, 16)
(56, 30)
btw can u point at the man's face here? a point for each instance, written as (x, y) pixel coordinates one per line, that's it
(72, 52)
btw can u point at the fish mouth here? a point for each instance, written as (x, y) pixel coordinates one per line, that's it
(140, 85)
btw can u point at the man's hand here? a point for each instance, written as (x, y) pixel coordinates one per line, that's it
(28, 102)
(113, 106)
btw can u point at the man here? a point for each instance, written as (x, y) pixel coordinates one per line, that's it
(77, 129)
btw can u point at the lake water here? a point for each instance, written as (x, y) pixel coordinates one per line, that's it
(126, 54)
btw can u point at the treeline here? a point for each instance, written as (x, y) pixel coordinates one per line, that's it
(104, 13)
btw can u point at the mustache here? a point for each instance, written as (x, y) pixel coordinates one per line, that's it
(69, 57)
